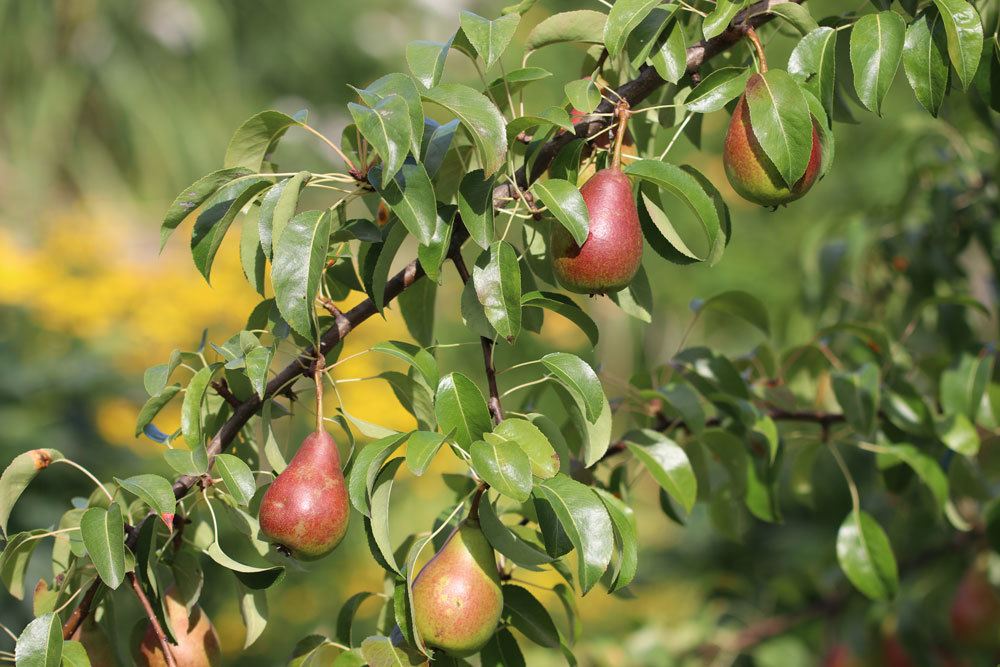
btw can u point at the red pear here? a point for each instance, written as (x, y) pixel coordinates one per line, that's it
(975, 611)
(305, 510)
(609, 258)
(750, 171)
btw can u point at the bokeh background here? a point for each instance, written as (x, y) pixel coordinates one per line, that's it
(108, 108)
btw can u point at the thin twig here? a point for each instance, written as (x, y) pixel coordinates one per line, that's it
(153, 621)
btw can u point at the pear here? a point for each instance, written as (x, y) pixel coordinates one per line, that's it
(457, 599)
(750, 171)
(96, 643)
(609, 258)
(975, 611)
(197, 644)
(840, 655)
(305, 510)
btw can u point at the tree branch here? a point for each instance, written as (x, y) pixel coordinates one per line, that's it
(154, 622)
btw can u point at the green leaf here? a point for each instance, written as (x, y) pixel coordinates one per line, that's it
(964, 30)
(507, 542)
(781, 122)
(103, 532)
(365, 468)
(378, 524)
(529, 438)
(155, 491)
(397, 83)
(410, 195)
(252, 257)
(586, 522)
(796, 15)
(194, 196)
(255, 138)
(421, 448)
(623, 521)
(15, 558)
(426, 60)
(277, 207)
(386, 126)
(583, 95)
(40, 643)
(460, 406)
(528, 616)
(194, 398)
(565, 306)
(505, 468)
(345, 617)
(876, 48)
(865, 555)
(814, 63)
(739, 304)
(962, 388)
(670, 59)
(187, 461)
(258, 361)
(419, 358)
(826, 140)
(475, 205)
(959, 434)
(156, 377)
(583, 26)
(74, 654)
(253, 610)
(717, 89)
(721, 15)
(682, 403)
(480, 117)
(502, 651)
(489, 38)
(379, 652)
(577, 376)
(299, 257)
(498, 288)
(925, 59)
(152, 407)
(565, 202)
(251, 576)
(624, 17)
(217, 215)
(667, 462)
(926, 468)
(689, 189)
(858, 395)
(237, 477)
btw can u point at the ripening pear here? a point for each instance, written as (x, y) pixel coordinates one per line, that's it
(750, 171)
(975, 611)
(610, 257)
(96, 643)
(305, 510)
(457, 599)
(197, 644)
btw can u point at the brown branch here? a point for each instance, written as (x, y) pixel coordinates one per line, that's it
(221, 387)
(154, 622)
(80, 614)
(488, 344)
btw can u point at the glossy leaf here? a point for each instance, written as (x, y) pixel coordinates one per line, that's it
(623, 521)
(564, 201)
(194, 398)
(420, 450)
(582, 26)
(460, 406)
(378, 524)
(738, 303)
(277, 207)
(155, 491)
(475, 204)
(40, 643)
(502, 651)
(624, 17)
(506, 469)
(721, 15)
(410, 195)
(962, 387)
(386, 126)
(865, 555)
(14, 561)
(579, 378)
(216, 217)
(668, 464)
(426, 60)
(814, 63)
(103, 532)
(498, 287)
(489, 38)
(782, 124)
(876, 49)
(365, 468)
(563, 305)
(255, 138)
(964, 30)
(152, 407)
(507, 542)
(717, 89)
(480, 117)
(858, 395)
(529, 438)
(925, 59)
(299, 257)
(251, 576)
(237, 477)
(797, 16)
(586, 522)
(194, 196)
(528, 616)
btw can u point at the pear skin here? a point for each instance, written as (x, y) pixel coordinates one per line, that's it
(610, 257)
(751, 172)
(96, 643)
(306, 510)
(457, 599)
(975, 611)
(198, 644)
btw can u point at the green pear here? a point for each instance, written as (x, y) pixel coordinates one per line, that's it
(197, 643)
(457, 599)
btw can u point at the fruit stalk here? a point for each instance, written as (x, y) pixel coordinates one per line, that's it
(318, 379)
(623, 113)
(759, 48)
(154, 623)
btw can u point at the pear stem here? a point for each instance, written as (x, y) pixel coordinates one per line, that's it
(318, 378)
(153, 621)
(623, 113)
(759, 48)
(474, 508)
